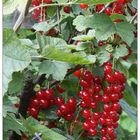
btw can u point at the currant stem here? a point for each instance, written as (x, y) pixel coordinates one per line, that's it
(79, 135)
(104, 7)
(133, 18)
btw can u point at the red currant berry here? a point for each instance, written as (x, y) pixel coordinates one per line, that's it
(97, 88)
(77, 73)
(97, 80)
(108, 69)
(69, 117)
(114, 97)
(67, 9)
(108, 121)
(40, 95)
(59, 113)
(116, 106)
(34, 103)
(115, 124)
(108, 11)
(102, 121)
(99, 7)
(33, 112)
(101, 43)
(94, 105)
(104, 138)
(93, 123)
(64, 109)
(115, 118)
(96, 97)
(103, 131)
(107, 107)
(49, 94)
(52, 124)
(120, 1)
(96, 115)
(116, 89)
(84, 135)
(51, 102)
(48, 1)
(60, 89)
(109, 78)
(85, 84)
(43, 104)
(71, 102)
(87, 75)
(83, 6)
(59, 101)
(105, 99)
(83, 104)
(86, 125)
(110, 130)
(92, 132)
(86, 113)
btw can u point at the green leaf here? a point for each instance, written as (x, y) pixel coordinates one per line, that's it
(127, 124)
(59, 55)
(15, 57)
(16, 84)
(45, 26)
(8, 105)
(122, 68)
(51, 11)
(70, 84)
(51, 113)
(117, 16)
(133, 71)
(120, 51)
(23, 33)
(94, 2)
(11, 123)
(46, 40)
(89, 36)
(103, 55)
(56, 68)
(33, 127)
(129, 110)
(10, 109)
(105, 27)
(80, 23)
(134, 3)
(125, 30)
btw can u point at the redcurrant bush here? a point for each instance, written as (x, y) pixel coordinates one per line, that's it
(70, 70)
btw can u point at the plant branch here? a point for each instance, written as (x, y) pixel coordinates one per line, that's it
(104, 7)
(54, 4)
(58, 18)
(22, 15)
(133, 18)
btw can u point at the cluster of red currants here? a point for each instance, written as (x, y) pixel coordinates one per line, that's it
(66, 110)
(39, 13)
(97, 102)
(42, 100)
(107, 92)
(114, 8)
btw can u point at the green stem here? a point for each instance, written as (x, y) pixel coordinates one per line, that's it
(79, 135)
(114, 60)
(66, 127)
